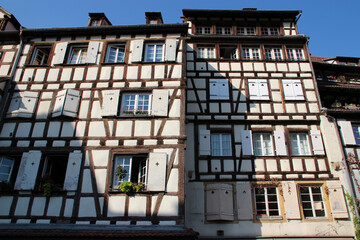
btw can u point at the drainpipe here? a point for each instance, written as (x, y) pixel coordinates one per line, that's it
(5, 99)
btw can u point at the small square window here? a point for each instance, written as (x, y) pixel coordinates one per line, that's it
(77, 55)
(130, 169)
(115, 53)
(299, 144)
(263, 145)
(266, 201)
(221, 144)
(154, 52)
(136, 103)
(54, 170)
(312, 201)
(40, 55)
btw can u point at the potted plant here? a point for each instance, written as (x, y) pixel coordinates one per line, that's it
(128, 187)
(336, 103)
(47, 185)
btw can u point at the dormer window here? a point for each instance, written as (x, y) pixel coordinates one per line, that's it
(95, 23)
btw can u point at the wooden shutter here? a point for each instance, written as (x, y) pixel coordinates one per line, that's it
(136, 50)
(59, 53)
(337, 201)
(92, 52)
(28, 170)
(71, 104)
(246, 142)
(28, 104)
(291, 201)
(254, 92)
(204, 143)
(59, 103)
(219, 202)
(156, 178)
(298, 91)
(288, 90)
(160, 102)
(214, 89)
(170, 50)
(110, 102)
(223, 88)
(346, 132)
(280, 144)
(263, 89)
(14, 105)
(73, 171)
(244, 201)
(317, 143)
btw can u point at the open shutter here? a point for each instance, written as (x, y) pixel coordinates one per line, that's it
(298, 91)
(244, 201)
(246, 142)
(28, 104)
(317, 143)
(28, 170)
(263, 90)
(280, 144)
(170, 50)
(136, 50)
(254, 92)
(223, 88)
(59, 103)
(204, 143)
(160, 103)
(346, 132)
(337, 201)
(59, 53)
(73, 171)
(14, 105)
(71, 104)
(92, 52)
(156, 178)
(291, 201)
(110, 102)
(288, 90)
(219, 202)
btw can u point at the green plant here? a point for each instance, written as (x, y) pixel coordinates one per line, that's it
(138, 187)
(353, 209)
(126, 187)
(48, 187)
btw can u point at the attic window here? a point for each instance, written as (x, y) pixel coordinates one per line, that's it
(95, 23)
(153, 21)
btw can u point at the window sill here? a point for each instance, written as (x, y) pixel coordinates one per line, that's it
(36, 66)
(269, 218)
(115, 63)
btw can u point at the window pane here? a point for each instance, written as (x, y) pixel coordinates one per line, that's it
(150, 53)
(226, 143)
(121, 170)
(159, 53)
(215, 145)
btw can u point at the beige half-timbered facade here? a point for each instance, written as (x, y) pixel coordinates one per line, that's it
(255, 161)
(89, 109)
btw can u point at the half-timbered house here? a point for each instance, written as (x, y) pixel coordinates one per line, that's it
(93, 133)
(256, 166)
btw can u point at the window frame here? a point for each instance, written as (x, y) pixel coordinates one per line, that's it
(81, 58)
(266, 215)
(292, 54)
(9, 173)
(148, 52)
(253, 55)
(273, 54)
(270, 31)
(116, 45)
(312, 202)
(356, 132)
(222, 148)
(48, 165)
(203, 30)
(205, 52)
(302, 151)
(263, 144)
(246, 31)
(136, 106)
(224, 30)
(35, 53)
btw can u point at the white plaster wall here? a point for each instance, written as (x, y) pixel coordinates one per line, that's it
(87, 207)
(137, 206)
(116, 206)
(38, 206)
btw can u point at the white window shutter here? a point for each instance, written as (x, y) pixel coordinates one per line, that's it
(59, 53)
(92, 52)
(160, 102)
(337, 201)
(298, 91)
(263, 89)
(72, 102)
(14, 105)
(219, 202)
(156, 178)
(28, 170)
(280, 144)
(244, 201)
(346, 132)
(291, 201)
(288, 90)
(214, 89)
(59, 103)
(254, 91)
(223, 88)
(204, 143)
(317, 143)
(136, 50)
(246, 142)
(28, 104)
(170, 50)
(110, 102)
(73, 171)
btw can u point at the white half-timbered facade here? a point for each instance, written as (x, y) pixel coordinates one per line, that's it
(256, 166)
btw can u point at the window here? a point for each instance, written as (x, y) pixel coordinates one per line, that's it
(205, 52)
(136, 103)
(95, 23)
(219, 89)
(295, 54)
(312, 201)
(221, 144)
(246, 31)
(251, 53)
(6, 168)
(77, 55)
(293, 90)
(115, 53)
(203, 30)
(266, 201)
(224, 30)
(299, 144)
(228, 52)
(54, 170)
(356, 131)
(273, 54)
(258, 89)
(86, 53)
(129, 168)
(154, 52)
(40, 55)
(263, 145)
(270, 31)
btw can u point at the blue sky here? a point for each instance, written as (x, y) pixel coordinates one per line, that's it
(332, 25)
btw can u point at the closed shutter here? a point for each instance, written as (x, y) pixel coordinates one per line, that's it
(337, 201)
(72, 102)
(346, 132)
(204, 143)
(28, 104)
(14, 105)
(291, 201)
(280, 144)
(136, 50)
(110, 102)
(156, 178)
(263, 90)
(288, 90)
(92, 52)
(28, 170)
(244, 201)
(59, 53)
(170, 50)
(298, 91)
(73, 171)
(317, 143)
(59, 103)
(214, 89)
(246, 142)
(254, 91)
(219, 89)
(219, 202)
(160, 103)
